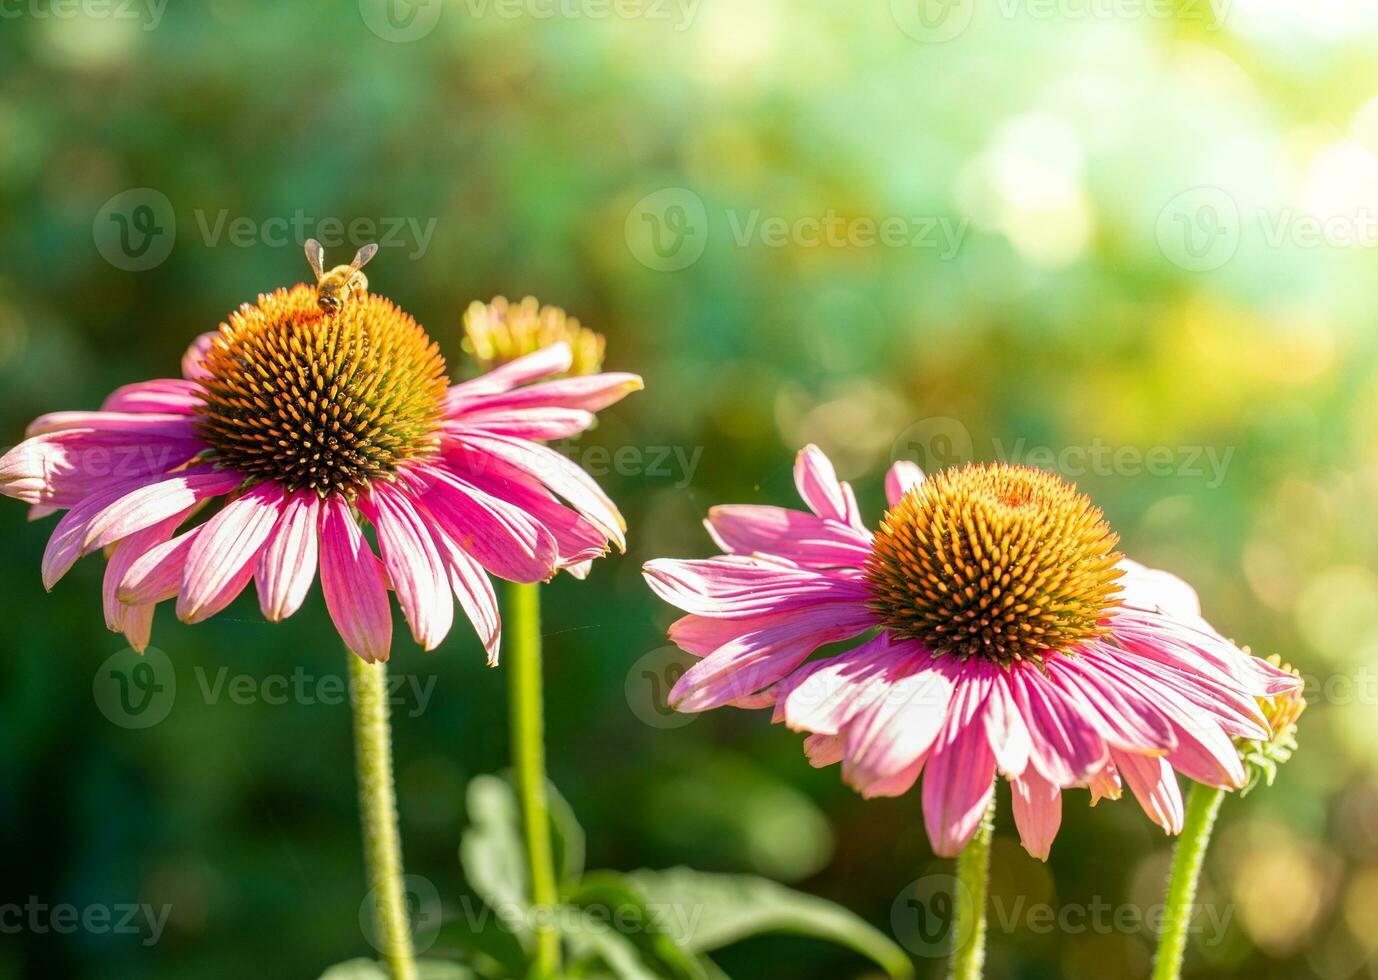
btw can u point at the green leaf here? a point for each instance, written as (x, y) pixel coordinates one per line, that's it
(491, 849)
(610, 902)
(568, 838)
(703, 912)
(487, 938)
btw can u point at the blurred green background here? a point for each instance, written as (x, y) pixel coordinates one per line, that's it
(1137, 240)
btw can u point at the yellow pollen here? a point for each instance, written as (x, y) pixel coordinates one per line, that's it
(1004, 562)
(327, 402)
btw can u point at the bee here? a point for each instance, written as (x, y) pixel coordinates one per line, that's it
(342, 282)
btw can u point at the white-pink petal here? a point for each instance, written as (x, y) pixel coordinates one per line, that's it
(355, 587)
(414, 567)
(222, 558)
(286, 566)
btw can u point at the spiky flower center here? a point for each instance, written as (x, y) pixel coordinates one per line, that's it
(999, 561)
(326, 402)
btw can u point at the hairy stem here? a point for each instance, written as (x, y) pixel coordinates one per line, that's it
(378, 815)
(1203, 804)
(973, 872)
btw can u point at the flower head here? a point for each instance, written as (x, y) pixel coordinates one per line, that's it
(296, 426)
(497, 333)
(1263, 756)
(998, 632)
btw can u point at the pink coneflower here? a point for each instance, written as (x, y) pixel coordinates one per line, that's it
(297, 427)
(1004, 634)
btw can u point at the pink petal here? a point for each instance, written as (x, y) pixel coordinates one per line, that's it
(1005, 729)
(897, 784)
(1037, 812)
(1124, 715)
(960, 775)
(760, 657)
(734, 586)
(902, 478)
(586, 393)
(474, 592)
(499, 535)
(221, 561)
(554, 359)
(122, 556)
(527, 423)
(418, 576)
(159, 395)
(818, 485)
(802, 538)
(892, 733)
(134, 425)
(156, 502)
(1156, 590)
(66, 543)
(559, 474)
(1155, 787)
(576, 539)
(823, 750)
(193, 361)
(157, 574)
(63, 468)
(286, 566)
(356, 592)
(823, 696)
(1064, 743)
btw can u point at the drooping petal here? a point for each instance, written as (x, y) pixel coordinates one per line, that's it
(67, 542)
(1005, 729)
(890, 734)
(1064, 744)
(156, 575)
(286, 566)
(586, 393)
(475, 594)
(222, 558)
(355, 587)
(959, 777)
(1155, 787)
(527, 423)
(1125, 717)
(122, 556)
(409, 554)
(499, 535)
(65, 467)
(758, 658)
(1037, 812)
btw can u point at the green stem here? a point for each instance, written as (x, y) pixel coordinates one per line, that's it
(1203, 803)
(973, 873)
(378, 815)
(523, 629)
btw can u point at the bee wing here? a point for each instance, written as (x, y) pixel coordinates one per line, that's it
(315, 254)
(362, 256)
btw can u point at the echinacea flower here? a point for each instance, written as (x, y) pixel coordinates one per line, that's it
(294, 427)
(1003, 634)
